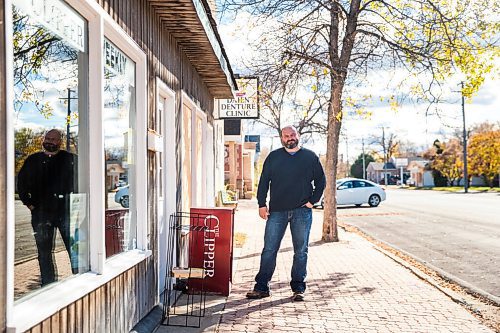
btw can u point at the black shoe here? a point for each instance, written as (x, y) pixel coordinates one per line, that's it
(255, 294)
(298, 296)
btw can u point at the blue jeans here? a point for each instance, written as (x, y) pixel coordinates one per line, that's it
(300, 220)
(44, 229)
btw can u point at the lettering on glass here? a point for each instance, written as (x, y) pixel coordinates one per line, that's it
(58, 18)
(114, 59)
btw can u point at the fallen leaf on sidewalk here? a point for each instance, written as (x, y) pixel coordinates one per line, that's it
(239, 239)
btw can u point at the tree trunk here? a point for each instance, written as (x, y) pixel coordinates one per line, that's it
(330, 231)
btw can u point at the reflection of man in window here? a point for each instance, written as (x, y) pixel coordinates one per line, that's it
(44, 184)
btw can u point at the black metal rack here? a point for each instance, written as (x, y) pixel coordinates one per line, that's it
(184, 300)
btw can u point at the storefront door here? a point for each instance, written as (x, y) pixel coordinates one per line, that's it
(167, 175)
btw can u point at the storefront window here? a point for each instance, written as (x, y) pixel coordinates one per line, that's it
(51, 89)
(119, 132)
(186, 157)
(199, 162)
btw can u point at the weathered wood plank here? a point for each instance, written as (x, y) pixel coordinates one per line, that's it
(100, 314)
(55, 325)
(138, 294)
(78, 316)
(116, 300)
(123, 305)
(71, 318)
(131, 301)
(85, 314)
(63, 321)
(46, 325)
(92, 313)
(36, 329)
(108, 303)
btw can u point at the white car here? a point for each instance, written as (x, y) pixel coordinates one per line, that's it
(354, 191)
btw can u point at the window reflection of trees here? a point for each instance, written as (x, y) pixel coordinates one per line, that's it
(115, 87)
(38, 54)
(43, 66)
(27, 141)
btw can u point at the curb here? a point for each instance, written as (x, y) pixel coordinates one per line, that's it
(477, 292)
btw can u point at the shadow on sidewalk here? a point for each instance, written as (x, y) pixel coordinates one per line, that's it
(239, 307)
(283, 250)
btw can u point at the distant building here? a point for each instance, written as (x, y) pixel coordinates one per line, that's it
(378, 172)
(420, 173)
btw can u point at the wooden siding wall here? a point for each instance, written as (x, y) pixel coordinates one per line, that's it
(114, 307)
(3, 173)
(119, 305)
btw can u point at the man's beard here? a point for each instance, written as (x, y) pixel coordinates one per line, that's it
(290, 144)
(51, 148)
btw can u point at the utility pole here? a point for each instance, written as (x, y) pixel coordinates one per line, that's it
(68, 117)
(363, 152)
(385, 156)
(464, 134)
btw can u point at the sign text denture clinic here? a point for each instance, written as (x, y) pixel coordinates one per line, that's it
(246, 101)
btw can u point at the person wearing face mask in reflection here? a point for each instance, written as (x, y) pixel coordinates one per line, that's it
(44, 184)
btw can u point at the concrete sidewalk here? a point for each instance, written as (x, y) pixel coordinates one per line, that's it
(352, 287)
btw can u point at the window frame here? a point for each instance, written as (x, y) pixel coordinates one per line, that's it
(45, 302)
(169, 127)
(197, 113)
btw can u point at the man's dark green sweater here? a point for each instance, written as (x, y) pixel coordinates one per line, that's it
(291, 179)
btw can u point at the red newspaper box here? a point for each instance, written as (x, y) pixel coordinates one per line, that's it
(212, 249)
(114, 223)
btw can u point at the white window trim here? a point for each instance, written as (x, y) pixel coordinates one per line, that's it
(115, 34)
(196, 112)
(219, 154)
(47, 301)
(209, 157)
(169, 163)
(9, 96)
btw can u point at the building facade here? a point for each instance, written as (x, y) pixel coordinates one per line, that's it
(130, 86)
(378, 172)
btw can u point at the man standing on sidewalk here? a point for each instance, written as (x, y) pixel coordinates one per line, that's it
(289, 172)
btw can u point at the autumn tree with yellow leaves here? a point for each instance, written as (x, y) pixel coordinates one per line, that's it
(26, 141)
(484, 155)
(447, 158)
(341, 41)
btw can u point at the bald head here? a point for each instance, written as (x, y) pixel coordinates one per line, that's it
(290, 137)
(52, 141)
(289, 128)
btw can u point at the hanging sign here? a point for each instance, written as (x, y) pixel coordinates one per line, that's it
(245, 105)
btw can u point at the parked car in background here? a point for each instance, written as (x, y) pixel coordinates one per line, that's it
(410, 182)
(122, 196)
(354, 191)
(121, 183)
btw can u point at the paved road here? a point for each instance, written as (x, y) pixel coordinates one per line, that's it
(456, 232)
(25, 248)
